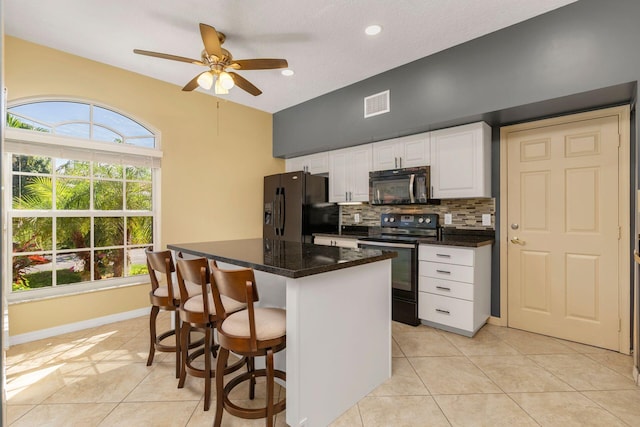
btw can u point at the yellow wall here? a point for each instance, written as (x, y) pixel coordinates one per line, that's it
(215, 155)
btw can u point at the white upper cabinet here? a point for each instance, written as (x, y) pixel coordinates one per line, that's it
(461, 161)
(349, 174)
(313, 163)
(405, 152)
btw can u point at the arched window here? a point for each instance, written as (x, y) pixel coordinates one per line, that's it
(83, 204)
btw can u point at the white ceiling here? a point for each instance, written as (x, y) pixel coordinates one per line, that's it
(323, 40)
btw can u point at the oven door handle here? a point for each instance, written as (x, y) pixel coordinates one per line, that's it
(412, 190)
(387, 245)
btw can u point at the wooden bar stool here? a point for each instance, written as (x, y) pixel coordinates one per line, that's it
(199, 311)
(256, 331)
(164, 295)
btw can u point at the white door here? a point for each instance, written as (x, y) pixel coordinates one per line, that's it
(563, 230)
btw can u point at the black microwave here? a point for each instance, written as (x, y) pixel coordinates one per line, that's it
(409, 186)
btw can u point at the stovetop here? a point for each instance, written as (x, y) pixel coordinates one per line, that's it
(410, 228)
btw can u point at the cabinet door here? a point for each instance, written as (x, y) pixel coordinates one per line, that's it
(338, 162)
(294, 164)
(386, 154)
(359, 167)
(461, 162)
(414, 150)
(318, 163)
(342, 242)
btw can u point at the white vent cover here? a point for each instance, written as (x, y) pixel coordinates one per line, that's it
(376, 104)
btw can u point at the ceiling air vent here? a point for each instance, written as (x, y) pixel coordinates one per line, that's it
(376, 104)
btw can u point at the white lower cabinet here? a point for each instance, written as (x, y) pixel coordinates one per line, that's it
(454, 287)
(342, 242)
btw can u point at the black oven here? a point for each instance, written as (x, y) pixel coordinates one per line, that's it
(407, 186)
(402, 233)
(404, 278)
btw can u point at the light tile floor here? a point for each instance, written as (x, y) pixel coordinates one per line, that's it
(501, 377)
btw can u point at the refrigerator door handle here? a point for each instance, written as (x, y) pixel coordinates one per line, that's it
(276, 211)
(281, 216)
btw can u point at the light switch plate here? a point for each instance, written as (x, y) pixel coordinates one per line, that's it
(447, 219)
(486, 219)
(356, 218)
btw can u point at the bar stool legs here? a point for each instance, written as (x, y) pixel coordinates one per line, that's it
(156, 340)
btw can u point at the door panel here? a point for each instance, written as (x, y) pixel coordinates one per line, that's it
(293, 193)
(270, 206)
(562, 256)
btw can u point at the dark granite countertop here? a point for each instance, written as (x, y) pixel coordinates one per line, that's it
(288, 259)
(470, 241)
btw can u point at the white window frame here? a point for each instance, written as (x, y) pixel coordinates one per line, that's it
(35, 143)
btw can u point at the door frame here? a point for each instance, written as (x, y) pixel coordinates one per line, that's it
(624, 220)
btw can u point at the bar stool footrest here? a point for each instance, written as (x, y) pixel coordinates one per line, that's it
(251, 413)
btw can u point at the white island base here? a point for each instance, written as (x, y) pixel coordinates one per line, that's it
(338, 338)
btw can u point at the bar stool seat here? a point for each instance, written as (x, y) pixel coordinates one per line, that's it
(254, 332)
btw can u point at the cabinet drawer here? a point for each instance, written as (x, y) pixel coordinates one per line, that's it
(445, 254)
(447, 288)
(447, 311)
(458, 273)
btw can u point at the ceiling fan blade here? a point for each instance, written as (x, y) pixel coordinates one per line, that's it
(167, 56)
(211, 40)
(245, 84)
(259, 64)
(193, 83)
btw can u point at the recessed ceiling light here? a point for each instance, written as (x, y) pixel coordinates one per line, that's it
(287, 72)
(372, 30)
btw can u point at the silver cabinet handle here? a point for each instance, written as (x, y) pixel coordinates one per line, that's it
(395, 162)
(442, 288)
(443, 272)
(442, 311)
(443, 255)
(400, 161)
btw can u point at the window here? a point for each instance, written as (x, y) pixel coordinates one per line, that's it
(83, 203)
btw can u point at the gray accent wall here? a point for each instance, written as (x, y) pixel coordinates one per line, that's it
(583, 56)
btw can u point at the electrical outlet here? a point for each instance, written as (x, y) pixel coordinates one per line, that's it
(486, 219)
(448, 219)
(356, 218)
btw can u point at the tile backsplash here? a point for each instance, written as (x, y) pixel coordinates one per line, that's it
(465, 213)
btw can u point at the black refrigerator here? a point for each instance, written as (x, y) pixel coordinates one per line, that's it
(295, 207)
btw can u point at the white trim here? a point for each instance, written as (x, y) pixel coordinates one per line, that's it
(80, 288)
(77, 326)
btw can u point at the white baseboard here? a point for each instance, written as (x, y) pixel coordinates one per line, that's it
(77, 326)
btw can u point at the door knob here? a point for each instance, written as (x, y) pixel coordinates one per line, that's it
(517, 241)
(514, 226)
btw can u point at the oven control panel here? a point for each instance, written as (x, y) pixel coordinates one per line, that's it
(401, 220)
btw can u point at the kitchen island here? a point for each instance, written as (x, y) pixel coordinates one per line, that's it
(338, 304)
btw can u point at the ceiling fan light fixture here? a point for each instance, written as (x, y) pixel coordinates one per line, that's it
(287, 72)
(220, 89)
(226, 81)
(205, 80)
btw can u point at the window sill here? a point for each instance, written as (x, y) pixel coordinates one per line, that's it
(69, 290)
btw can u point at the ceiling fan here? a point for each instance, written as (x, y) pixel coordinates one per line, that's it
(218, 59)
